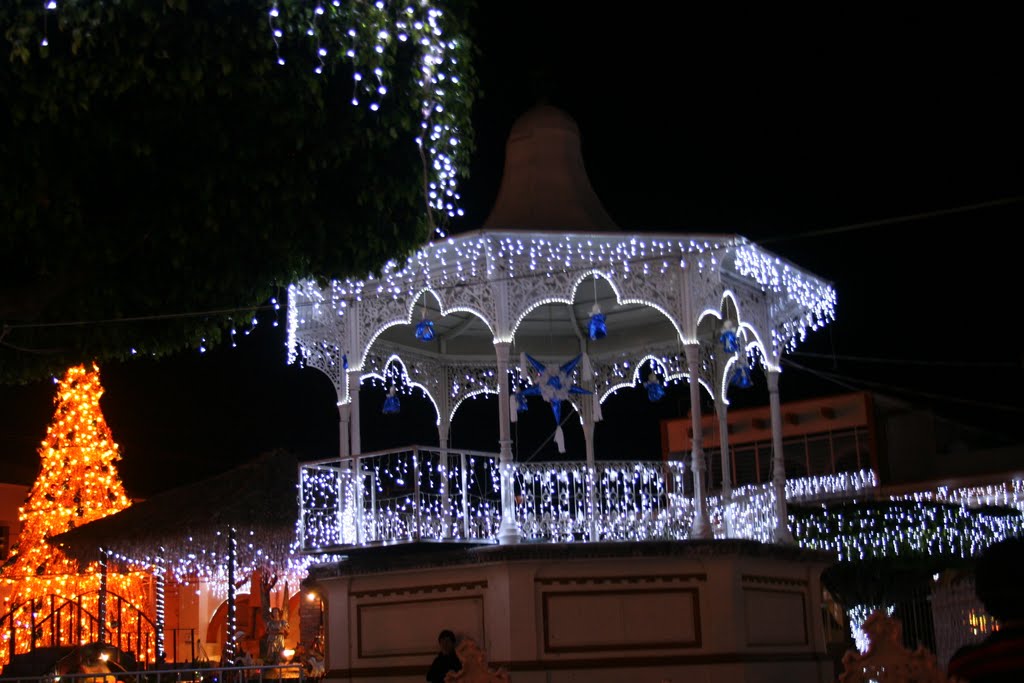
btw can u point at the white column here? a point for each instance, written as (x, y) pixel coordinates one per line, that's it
(700, 528)
(344, 443)
(723, 442)
(444, 467)
(587, 415)
(354, 450)
(353, 392)
(587, 405)
(508, 532)
(588, 437)
(464, 483)
(782, 534)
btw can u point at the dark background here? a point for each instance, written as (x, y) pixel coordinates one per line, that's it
(807, 132)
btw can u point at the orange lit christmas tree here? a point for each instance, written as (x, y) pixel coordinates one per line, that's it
(49, 599)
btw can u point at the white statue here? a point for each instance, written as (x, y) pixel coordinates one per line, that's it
(886, 659)
(474, 666)
(275, 619)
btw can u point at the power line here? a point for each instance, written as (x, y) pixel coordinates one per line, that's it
(898, 219)
(813, 233)
(911, 392)
(143, 318)
(908, 361)
(854, 387)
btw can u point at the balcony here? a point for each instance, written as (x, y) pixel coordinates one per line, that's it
(424, 493)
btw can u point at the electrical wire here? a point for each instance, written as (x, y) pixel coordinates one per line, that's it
(914, 392)
(812, 233)
(909, 361)
(897, 219)
(143, 318)
(837, 379)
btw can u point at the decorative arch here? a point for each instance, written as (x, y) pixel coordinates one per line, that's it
(444, 308)
(395, 359)
(620, 298)
(578, 407)
(422, 294)
(669, 376)
(410, 313)
(532, 307)
(758, 345)
(591, 274)
(742, 326)
(725, 378)
(483, 391)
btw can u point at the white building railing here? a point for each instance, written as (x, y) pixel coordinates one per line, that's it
(423, 493)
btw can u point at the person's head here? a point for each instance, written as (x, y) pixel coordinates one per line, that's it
(446, 641)
(275, 612)
(996, 579)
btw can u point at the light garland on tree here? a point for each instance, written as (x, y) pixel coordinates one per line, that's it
(1008, 494)
(368, 36)
(78, 483)
(892, 528)
(373, 39)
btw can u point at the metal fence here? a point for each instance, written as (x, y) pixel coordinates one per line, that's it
(940, 615)
(295, 673)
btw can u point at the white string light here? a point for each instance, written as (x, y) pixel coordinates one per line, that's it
(369, 35)
(407, 498)
(799, 301)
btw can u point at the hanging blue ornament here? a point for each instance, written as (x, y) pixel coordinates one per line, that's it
(741, 378)
(655, 391)
(730, 344)
(521, 406)
(554, 384)
(344, 362)
(597, 328)
(425, 330)
(391, 404)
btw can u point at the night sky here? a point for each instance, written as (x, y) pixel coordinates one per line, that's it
(804, 132)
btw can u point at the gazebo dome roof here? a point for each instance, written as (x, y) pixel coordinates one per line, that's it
(543, 116)
(544, 185)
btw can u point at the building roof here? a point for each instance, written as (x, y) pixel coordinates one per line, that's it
(544, 184)
(191, 522)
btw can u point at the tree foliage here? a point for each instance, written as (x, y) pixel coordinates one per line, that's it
(158, 161)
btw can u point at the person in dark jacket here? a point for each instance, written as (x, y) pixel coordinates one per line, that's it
(446, 660)
(999, 658)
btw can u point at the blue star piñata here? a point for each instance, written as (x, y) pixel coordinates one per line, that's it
(554, 384)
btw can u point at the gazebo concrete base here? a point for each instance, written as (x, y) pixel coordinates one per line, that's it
(598, 612)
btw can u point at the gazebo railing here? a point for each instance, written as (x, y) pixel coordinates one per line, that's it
(614, 501)
(399, 495)
(424, 493)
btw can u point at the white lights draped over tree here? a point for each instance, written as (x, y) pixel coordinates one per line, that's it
(259, 143)
(380, 41)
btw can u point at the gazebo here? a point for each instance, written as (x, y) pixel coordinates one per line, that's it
(552, 307)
